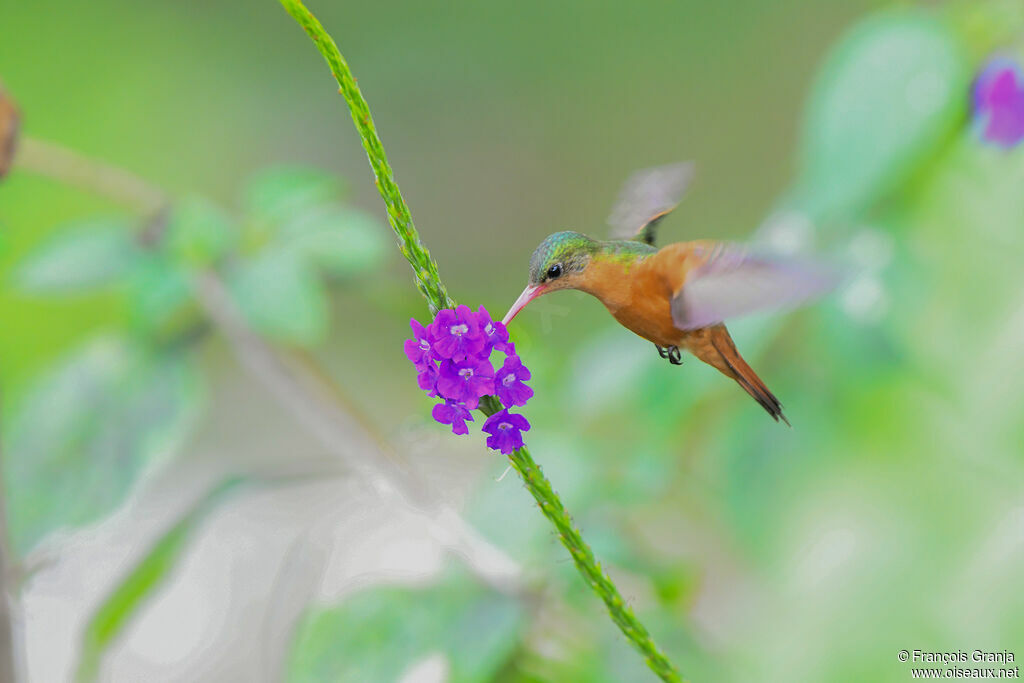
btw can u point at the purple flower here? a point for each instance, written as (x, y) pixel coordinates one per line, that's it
(466, 380)
(462, 342)
(418, 348)
(495, 334)
(427, 378)
(999, 102)
(505, 431)
(456, 334)
(454, 414)
(508, 383)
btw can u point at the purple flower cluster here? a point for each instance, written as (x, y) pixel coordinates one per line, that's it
(999, 102)
(452, 361)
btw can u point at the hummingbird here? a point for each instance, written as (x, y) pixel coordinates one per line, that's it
(680, 295)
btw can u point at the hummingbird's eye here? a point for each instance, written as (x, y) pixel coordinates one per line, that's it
(555, 271)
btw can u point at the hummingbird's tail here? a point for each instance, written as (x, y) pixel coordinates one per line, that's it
(716, 348)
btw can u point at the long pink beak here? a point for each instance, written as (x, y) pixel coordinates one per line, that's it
(529, 294)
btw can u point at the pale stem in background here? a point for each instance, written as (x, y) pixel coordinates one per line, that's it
(304, 390)
(8, 665)
(72, 168)
(339, 432)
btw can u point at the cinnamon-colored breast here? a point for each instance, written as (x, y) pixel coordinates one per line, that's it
(638, 293)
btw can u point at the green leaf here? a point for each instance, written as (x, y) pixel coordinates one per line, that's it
(341, 242)
(376, 635)
(88, 428)
(888, 97)
(281, 295)
(199, 233)
(160, 296)
(274, 194)
(83, 255)
(129, 596)
(965, 248)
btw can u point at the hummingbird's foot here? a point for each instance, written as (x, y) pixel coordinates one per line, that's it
(670, 352)
(674, 357)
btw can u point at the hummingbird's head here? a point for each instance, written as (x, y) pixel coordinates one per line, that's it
(558, 263)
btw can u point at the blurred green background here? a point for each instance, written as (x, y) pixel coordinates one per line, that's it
(889, 517)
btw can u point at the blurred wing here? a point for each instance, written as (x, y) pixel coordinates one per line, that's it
(647, 197)
(733, 282)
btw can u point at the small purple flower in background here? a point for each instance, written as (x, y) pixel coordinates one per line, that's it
(999, 102)
(456, 334)
(466, 380)
(495, 334)
(418, 348)
(508, 383)
(452, 360)
(454, 414)
(505, 431)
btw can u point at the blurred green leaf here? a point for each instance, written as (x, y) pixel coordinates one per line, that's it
(889, 94)
(342, 242)
(116, 611)
(199, 233)
(987, 25)
(88, 428)
(282, 296)
(275, 194)
(85, 254)
(487, 509)
(160, 296)
(376, 635)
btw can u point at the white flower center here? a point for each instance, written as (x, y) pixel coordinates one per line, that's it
(489, 329)
(504, 426)
(508, 379)
(466, 373)
(459, 330)
(424, 345)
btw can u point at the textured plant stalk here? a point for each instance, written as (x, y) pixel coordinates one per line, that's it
(429, 283)
(424, 269)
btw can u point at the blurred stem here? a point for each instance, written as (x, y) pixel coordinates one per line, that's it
(77, 170)
(8, 666)
(301, 386)
(429, 283)
(307, 395)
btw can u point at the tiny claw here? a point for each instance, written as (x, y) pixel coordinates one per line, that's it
(674, 357)
(661, 351)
